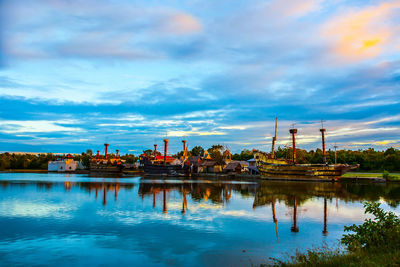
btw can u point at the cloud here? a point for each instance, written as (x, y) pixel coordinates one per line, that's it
(36, 126)
(295, 8)
(91, 29)
(365, 33)
(194, 132)
(181, 24)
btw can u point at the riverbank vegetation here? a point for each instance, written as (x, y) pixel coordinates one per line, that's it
(376, 242)
(39, 161)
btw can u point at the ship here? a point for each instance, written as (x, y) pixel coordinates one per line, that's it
(287, 169)
(107, 164)
(158, 165)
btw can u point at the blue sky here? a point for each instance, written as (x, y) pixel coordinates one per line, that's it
(76, 74)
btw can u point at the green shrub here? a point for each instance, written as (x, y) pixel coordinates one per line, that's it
(381, 232)
(385, 175)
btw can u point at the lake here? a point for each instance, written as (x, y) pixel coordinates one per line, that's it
(73, 219)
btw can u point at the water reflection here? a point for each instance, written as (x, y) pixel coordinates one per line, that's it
(174, 222)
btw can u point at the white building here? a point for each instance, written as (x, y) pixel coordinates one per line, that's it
(65, 165)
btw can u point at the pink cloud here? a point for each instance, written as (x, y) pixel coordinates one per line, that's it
(362, 34)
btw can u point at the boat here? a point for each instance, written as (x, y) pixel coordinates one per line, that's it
(107, 164)
(287, 169)
(157, 165)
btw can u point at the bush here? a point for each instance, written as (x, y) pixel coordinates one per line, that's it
(383, 231)
(385, 175)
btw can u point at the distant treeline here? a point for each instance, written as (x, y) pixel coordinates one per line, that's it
(40, 161)
(369, 159)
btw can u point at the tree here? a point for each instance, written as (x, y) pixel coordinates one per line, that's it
(215, 152)
(197, 151)
(89, 152)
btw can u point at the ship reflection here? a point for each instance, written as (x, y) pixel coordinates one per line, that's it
(293, 195)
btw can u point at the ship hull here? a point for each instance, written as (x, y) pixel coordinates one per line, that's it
(105, 168)
(282, 170)
(165, 170)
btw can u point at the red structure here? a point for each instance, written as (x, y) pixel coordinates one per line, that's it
(293, 132)
(106, 150)
(155, 150)
(117, 154)
(165, 150)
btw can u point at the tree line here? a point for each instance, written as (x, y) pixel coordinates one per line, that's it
(369, 159)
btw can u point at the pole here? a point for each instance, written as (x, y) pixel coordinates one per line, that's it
(106, 150)
(274, 139)
(293, 132)
(323, 130)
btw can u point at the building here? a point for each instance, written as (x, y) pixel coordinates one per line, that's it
(211, 166)
(237, 167)
(253, 167)
(64, 165)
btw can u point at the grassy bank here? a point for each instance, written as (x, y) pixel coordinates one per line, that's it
(389, 177)
(326, 257)
(376, 242)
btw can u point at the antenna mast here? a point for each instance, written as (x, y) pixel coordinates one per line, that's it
(323, 130)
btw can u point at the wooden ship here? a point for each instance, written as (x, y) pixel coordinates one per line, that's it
(107, 164)
(272, 168)
(158, 165)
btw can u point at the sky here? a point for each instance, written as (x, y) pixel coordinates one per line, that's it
(75, 74)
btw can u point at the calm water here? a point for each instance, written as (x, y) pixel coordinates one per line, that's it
(59, 219)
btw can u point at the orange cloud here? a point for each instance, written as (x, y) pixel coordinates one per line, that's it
(362, 34)
(182, 24)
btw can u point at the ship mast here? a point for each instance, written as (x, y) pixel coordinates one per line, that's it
(106, 150)
(274, 139)
(155, 151)
(184, 149)
(165, 150)
(293, 131)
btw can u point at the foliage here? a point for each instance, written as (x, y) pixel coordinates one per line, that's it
(25, 161)
(336, 257)
(215, 152)
(244, 155)
(376, 242)
(369, 159)
(130, 158)
(149, 152)
(383, 231)
(385, 174)
(391, 178)
(197, 151)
